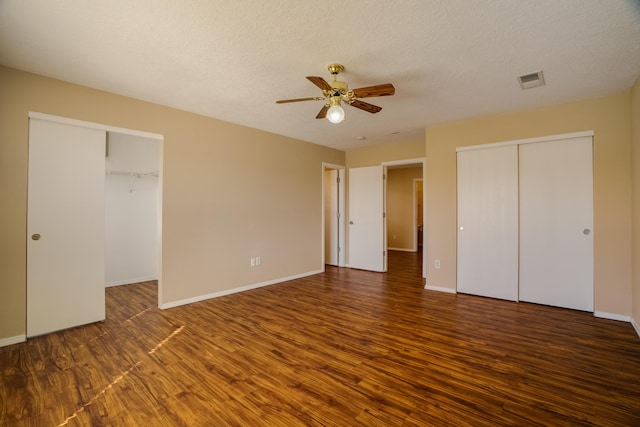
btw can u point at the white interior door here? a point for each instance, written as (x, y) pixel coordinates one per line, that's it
(488, 222)
(331, 212)
(65, 231)
(556, 223)
(366, 218)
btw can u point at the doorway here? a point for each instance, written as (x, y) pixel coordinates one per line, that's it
(405, 211)
(368, 215)
(403, 204)
(333, 219)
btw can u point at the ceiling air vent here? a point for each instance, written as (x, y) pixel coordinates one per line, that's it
(528, 81)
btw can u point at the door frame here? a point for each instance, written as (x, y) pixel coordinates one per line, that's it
(341, 219)
(126, 131)
(422, 161)
(415, 214)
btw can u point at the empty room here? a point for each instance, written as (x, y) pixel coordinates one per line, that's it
(292, 213)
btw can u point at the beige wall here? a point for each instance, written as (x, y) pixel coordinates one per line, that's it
(230, 192)
(371, 156)
(609, 118)
(635, 166)
(400, 208)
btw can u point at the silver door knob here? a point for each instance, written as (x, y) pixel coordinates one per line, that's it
(35, 236)
(586, 231)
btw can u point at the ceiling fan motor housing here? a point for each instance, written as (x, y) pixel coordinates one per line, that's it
(339, 89)
(339, 85)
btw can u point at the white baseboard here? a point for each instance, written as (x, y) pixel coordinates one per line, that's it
(612, 316)
(635, 326)
(440, 289)
(401, 249)
(130, 281)
(360, 268)
(12, 340)
(619, 317)
(236, 290)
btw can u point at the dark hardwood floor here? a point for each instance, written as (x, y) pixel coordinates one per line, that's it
(342, 348)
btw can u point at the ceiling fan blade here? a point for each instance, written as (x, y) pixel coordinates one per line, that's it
(366, 106)
(320, 82)
(377, 90)
(285, 101)
(323, 113)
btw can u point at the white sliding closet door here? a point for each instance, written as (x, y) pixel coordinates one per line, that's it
(65, 241)
(488, 222)
(556, 223)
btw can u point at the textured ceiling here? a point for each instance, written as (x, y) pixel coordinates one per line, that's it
(232, 59)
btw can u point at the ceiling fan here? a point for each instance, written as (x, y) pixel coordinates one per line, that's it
(336, 92)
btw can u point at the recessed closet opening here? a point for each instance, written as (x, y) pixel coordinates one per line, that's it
(131, 209)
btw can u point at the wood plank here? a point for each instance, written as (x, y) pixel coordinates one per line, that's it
(345, 347)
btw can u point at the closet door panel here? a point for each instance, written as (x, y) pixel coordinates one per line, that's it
(488, 222)
(65, 240)
(556, 223)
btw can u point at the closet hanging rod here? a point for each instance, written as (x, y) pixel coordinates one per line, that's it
(129, 173)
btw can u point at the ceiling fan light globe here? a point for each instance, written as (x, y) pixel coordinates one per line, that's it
(335, 114)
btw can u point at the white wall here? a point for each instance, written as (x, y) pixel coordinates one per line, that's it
(131, 253)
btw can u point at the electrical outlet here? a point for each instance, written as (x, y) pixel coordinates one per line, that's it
(437, 263)
(258, 260)
(253, 262)
(394, 237)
